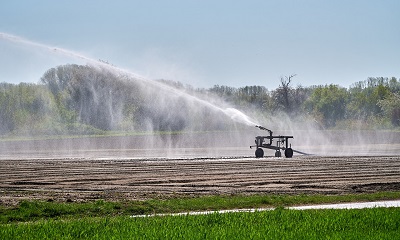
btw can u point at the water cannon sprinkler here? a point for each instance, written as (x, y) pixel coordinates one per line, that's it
(263, 128)
(266, 142)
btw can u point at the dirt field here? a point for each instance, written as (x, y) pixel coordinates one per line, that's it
(146, 166)
(116, 179)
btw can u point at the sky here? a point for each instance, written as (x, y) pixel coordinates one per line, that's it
(209, 42)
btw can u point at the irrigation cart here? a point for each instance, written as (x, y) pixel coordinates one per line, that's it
(282, 143)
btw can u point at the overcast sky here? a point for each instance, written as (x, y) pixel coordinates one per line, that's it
(209, 42)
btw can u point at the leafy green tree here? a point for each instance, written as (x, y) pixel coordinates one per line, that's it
(394, 85)
(252, 96)
(391, 107)
(364, 99)
(7, 107)
(329, 102)
(88, 95)
(25, 108)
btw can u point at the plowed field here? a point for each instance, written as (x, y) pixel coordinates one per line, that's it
(147, 166)
(117, 179)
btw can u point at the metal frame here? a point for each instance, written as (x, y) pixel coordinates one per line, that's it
(261, 143)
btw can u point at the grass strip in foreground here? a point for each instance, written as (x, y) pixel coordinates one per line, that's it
(375, 223)
(37, 210)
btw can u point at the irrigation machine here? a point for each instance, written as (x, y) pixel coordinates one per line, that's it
(282, 143)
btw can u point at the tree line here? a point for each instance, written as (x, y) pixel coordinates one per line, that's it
(80, 99)
(372, 103)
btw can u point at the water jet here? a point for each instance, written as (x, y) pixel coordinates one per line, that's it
(232, 113)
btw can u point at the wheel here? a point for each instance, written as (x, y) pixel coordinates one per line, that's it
(288, 152)
(278, 154)
(259, 153)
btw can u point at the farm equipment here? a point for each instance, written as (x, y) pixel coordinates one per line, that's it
(266, 142)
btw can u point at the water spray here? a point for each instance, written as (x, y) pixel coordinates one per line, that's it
(233, 113)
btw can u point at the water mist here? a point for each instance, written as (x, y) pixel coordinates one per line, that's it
(232, 113)
(184, 106)
(308, 135)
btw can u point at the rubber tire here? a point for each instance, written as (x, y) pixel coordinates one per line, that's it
(259, 153)
(288, 152)
(278, 154)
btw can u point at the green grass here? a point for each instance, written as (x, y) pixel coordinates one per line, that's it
(377, 223)
(110, 220)
(42, 210)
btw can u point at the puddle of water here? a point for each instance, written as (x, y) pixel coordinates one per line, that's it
(394, 203)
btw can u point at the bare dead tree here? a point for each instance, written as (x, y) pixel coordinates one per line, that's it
(284, 92)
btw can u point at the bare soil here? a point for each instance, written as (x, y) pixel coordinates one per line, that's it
(86, 179)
